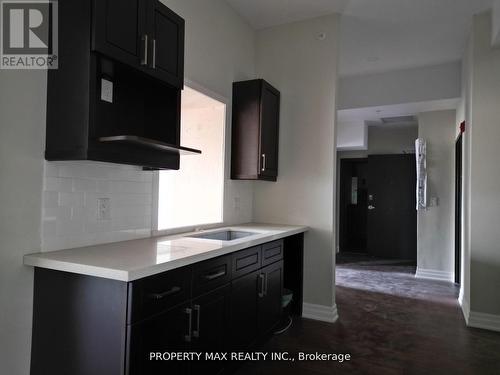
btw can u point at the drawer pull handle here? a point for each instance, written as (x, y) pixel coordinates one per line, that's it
(261, 286)
(216, 275)
(189, 313)
(144, 59)
(196, 332)
(173, 290)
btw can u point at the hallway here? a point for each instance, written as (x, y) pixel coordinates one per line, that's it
(390, 323)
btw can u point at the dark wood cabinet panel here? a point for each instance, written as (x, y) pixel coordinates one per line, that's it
(269, 128)
(79, 324)
(167, 44)
(211, 316)
(167, 332)
(119, 29)
(154, 294)
(246, 261)
(211, 274)
(270, 303)
(244, 310)
(255, 131)
(272, 252)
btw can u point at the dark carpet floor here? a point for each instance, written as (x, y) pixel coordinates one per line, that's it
(390, 323)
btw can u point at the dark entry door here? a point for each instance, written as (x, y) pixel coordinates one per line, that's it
(458, 208)
(392, 217)
(353, 203)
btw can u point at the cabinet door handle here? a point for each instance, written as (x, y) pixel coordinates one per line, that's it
(144, 58)
(153, 58)
(196, 332)
(189, 313)
(263, 169)
(265, 283)
(213, 276)
(261, 286)
(167, 293)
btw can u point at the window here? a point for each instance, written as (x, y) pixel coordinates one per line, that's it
(194, 194)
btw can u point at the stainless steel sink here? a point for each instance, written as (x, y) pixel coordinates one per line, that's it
(223, 235)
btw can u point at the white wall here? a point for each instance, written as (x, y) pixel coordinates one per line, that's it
(220, 48)
(400, 86)
(352, 136)
(304, 69)
(484, 166)
(435, 225)
(464, 113)
(495, 29)
(22, 134)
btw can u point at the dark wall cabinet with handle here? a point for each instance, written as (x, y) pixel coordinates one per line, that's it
(93, 326)
(255, 131)
(144, 34)
(115, 96)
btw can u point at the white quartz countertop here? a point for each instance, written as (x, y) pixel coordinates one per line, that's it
(132, 260)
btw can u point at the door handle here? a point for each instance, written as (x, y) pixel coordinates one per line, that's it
(370, 207)
(196, 331)
(144, 58)
(153, 58)
(265, 283)
(263, 163)
(189, 313)
(216, 275)
(157, 296)
(261, 278)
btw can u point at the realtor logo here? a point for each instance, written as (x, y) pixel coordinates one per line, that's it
(29, 34)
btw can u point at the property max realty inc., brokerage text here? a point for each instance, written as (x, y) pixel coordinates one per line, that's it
(248, 356)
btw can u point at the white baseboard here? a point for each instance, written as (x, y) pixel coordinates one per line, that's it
(320, 312)
(423, 273)
(484, 321)
(464, 304)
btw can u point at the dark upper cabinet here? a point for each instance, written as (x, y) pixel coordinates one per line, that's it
(166, 30)
(110, 100)
(255, 132)
(144, 34)
(119, 28)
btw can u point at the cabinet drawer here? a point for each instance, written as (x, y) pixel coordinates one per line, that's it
(211, 274)
(246, 261)
(154, 294)
(272, 252)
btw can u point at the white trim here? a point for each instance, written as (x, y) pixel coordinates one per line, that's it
(484, 321)
(156, 176)
(465, 305)
(320, 312)
(423, 273)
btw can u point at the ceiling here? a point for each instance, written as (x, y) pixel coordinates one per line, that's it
(379, 35)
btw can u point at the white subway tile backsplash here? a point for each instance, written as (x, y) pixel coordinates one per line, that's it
(58, 184)
(71, 199)
(71, 190)
(84, 185)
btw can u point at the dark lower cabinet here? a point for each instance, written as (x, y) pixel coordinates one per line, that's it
(85, 325)
(167, 332)
(270, 299)
(244, 310)
(211, 316)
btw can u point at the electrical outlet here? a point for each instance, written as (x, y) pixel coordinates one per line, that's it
(106, 90)
(103, 209)
(236, 203)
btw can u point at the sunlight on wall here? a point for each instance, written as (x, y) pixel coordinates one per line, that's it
(193, 195)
